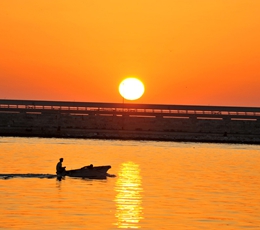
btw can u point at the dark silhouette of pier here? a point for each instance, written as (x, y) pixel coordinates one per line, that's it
(130, 109)
(130, 121)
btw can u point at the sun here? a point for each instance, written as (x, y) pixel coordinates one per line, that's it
(131, 88)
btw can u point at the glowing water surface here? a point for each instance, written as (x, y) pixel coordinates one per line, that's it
(158, 185)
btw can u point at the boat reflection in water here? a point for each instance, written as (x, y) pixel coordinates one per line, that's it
(129, 196)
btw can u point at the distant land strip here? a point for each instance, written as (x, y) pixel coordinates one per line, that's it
(130, 121)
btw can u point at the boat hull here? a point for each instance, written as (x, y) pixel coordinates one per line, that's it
(95, 172)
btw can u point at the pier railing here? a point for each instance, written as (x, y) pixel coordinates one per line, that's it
(130, 109)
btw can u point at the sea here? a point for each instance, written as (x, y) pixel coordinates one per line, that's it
(151, 185)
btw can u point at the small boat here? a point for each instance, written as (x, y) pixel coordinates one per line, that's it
(90, 171)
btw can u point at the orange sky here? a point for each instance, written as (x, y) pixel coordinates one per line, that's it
(186, 52)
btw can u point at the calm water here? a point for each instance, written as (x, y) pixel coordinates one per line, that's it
(158, 185)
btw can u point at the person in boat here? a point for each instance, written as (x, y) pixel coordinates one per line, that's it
(59, 168)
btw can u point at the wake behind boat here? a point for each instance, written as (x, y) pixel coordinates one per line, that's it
(27, 175)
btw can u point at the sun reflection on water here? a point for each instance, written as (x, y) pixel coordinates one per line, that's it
(129, 196)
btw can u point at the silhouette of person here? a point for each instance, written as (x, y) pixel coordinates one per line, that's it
(59, 169)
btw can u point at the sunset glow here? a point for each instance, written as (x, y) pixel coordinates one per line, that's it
(206, 52)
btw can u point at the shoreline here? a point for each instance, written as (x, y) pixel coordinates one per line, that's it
(143, 136)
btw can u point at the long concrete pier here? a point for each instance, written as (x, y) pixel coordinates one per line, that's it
(130, 121)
